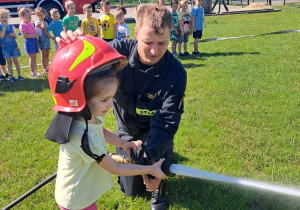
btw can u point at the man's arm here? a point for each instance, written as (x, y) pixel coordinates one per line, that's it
(164, 124)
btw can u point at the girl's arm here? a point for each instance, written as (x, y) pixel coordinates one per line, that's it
(14, 34)
(108, 164)
(43, 26)
(113, 139)
(28, 36)
(2, 33)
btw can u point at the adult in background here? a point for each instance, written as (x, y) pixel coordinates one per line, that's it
(149, 102)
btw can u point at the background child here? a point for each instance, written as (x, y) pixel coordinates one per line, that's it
(197, 20)
(123, 9)
(70, 21)
(161, 2)
(122, 28)
(5, 75)
(30, 39)
(108, 23)
(83, 176)
(10, 47)
(185, 25)
(43, 39)
(175, 26)
(90, 25)
(55, 26)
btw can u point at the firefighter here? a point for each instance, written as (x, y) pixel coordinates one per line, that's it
(149, 102)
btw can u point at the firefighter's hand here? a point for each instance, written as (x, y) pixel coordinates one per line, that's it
(135, 145)
(151, 184)
(68, 37)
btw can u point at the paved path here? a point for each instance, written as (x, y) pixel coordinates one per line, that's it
(130, 10)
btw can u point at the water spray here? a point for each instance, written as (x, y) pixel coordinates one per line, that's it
(171, 169)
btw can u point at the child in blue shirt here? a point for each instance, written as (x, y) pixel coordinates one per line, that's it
(10, 49)
(198, 20)
(55, 26)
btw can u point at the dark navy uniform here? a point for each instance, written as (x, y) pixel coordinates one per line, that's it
(148, 106)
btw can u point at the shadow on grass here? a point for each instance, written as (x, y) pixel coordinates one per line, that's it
(215, 54)
(197, 61)
(28, 84)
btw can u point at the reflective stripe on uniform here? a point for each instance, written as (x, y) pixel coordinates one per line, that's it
(145, 112)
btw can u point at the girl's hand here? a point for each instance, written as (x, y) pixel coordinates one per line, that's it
(12, 35)
(68, 37)
(135, 145)
(182, 33)
(157, 172)
(176, 32)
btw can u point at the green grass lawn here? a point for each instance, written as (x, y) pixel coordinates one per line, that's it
(241, 119)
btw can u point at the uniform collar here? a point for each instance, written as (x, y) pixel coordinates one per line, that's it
(155, 70)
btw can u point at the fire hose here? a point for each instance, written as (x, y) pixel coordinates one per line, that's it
(171, 169)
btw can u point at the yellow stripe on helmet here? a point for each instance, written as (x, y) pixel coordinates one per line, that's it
(88, 50)
(54, 99)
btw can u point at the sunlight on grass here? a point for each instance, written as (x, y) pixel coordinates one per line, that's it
(241, 119)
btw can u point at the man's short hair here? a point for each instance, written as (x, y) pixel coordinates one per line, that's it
(86, 7)
(53, 11)
(68, 3)
(123, 9)
(156, 16)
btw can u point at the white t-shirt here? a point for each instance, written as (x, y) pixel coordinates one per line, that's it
(122, 31)
(80, 182)
(38, 29)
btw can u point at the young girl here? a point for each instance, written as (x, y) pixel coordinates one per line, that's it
(30, 41)
(43, 38)
(10, 47)
(83, 85)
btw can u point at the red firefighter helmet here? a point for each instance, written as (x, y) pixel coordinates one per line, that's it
(73, 63)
